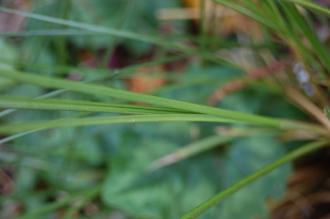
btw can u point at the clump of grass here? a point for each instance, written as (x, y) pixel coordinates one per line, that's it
(287, 22)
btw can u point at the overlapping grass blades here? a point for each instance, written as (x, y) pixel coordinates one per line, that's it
(284, 19)
(92, 89)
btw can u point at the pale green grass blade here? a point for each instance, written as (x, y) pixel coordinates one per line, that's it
(306, 149)
(15, 136)
(311, 5)
(189, 151)
(50, 32)
(203, 145)
(108, 120)
(74, 105)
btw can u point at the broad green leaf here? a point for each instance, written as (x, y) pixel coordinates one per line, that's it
(244, 157)
(164, 194)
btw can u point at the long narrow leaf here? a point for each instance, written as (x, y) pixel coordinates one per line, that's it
(107, 120)
(90, 27)
(311, 5)
(74, 105)
(253, 177)
(50, 32)
(190, 150)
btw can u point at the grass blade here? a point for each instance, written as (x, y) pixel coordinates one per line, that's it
(50, 32)
(312, 5)
(253, 177)
(299, 22)
(15, 136)
(89, 27)
(203, 145)
(189, 151)
(107, 120)
(74, 105)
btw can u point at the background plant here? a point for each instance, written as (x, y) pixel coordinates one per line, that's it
(86, 135)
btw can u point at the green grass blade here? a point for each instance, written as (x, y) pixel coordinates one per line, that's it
(311, 5)
(136, 97)
(277, 15)
(196, 212)
(74, 105)
(90, 27)
(298, 21)
(107, 120)
(15, 136)
(50, 32)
